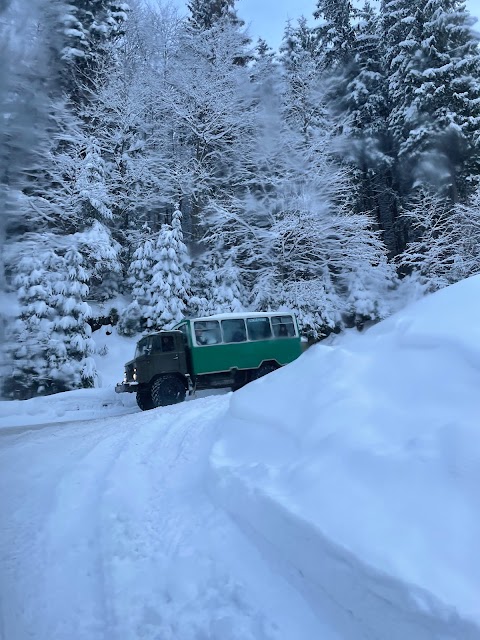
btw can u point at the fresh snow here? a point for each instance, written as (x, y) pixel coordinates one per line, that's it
(335, 498)
(359, 464)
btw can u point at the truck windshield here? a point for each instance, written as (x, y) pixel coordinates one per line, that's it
(144, 348)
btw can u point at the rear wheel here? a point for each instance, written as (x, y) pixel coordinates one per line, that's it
(168, 390)
(144, 399)
(263, 370)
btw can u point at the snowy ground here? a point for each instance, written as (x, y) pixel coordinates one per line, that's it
(335, 498)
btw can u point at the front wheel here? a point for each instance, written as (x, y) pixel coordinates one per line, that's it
(168, 390)
(144, 400)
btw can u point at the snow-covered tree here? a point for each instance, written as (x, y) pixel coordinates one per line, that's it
(444, 135)
(168, 288)
(368, 145)
(29, 336)
(304, 100)
(87, 28)
(217, 286)
(204, 14)
(444, 248)
(71, 344)
(336, 31)
(132, 319)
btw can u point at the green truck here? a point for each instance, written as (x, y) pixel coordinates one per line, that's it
(227, 350)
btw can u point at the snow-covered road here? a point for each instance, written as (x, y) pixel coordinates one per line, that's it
(289, 510)
(107, 532)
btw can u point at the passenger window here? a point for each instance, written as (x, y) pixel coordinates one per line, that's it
(156, 344)
(234, 330)
(162, 344)
(259, 328)
(283, 326)
(168, 344)
(207, 332)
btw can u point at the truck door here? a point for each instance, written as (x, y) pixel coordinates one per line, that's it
(167, 354)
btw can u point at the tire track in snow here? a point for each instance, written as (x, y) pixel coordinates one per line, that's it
(48, 548)
(121, 541)
(175, 565)
(140, 531)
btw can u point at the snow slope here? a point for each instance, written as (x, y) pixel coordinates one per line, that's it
(360, 466)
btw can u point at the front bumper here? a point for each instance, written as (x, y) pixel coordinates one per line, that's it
(126, 387)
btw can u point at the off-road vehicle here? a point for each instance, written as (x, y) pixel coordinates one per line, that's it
(227, 350)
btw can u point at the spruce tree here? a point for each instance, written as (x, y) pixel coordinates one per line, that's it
(133, 318)
(91, 206)
(168, 288)
(216, 285)
(88, 26)
(205, 13)
(447, 101)
(369, 138)
(29, 337)
(336, 32)
(71, 344)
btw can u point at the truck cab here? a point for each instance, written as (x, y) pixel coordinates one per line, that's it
(159, 372)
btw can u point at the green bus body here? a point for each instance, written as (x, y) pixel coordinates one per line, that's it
(246, 355)
(227, 350)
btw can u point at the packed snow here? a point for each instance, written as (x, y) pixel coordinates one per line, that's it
(334, 498)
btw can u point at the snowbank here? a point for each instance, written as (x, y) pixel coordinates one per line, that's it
(83, 404)
(357, 468)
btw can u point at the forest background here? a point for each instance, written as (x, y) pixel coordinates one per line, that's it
(154, 166)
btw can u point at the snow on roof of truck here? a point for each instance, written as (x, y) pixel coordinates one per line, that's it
(243, 314)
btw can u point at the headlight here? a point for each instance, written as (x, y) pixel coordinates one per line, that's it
(135, 375)
(125, 376)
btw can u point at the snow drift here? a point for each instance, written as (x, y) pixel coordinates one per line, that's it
(357, 467)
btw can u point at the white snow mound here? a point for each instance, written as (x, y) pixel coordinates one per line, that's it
(358, 467)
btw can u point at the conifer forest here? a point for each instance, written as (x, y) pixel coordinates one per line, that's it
(157, 164)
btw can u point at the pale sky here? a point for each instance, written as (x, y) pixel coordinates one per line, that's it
(267, 18)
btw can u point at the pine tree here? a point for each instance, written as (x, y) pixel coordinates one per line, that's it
(91, 206)
(370, 145)
(29, 337)
(336, 33)
(204, 14)
(71, 345)
(88, 28)
(216, 285)
(132, 319)
(304, 98)
(447, 100)
(170, 281)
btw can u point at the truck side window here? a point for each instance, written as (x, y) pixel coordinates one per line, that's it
(234, 330)
(207, 332)
(259, 328)
(168, 344)
(155, 344)
(283, 326)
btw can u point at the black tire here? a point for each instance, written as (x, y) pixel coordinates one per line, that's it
(144, 399)
(263, 370)
(168, 390)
